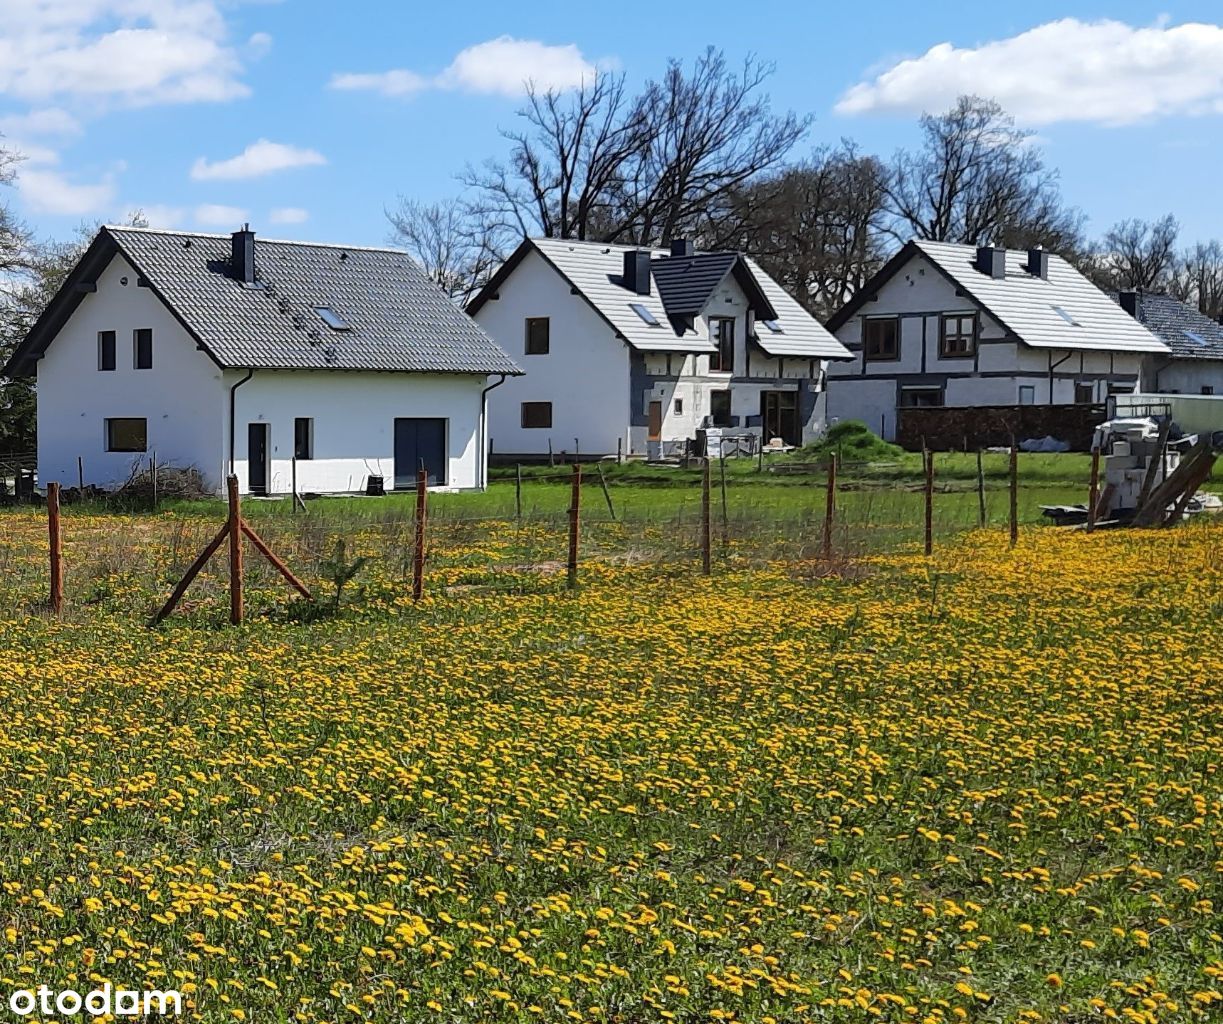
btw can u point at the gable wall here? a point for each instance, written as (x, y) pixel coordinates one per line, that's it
(181, 396)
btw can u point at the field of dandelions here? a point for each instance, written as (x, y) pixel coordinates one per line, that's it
(987, 786)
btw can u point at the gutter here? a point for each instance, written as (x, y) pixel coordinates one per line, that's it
(232, 399)
(1053, 366)
(483, 464)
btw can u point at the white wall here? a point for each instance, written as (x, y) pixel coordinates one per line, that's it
(1188, 376)
(585, 374)
(354, 415)
(181, 397)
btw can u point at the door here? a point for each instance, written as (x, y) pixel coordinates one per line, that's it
(419, 444)
(655, 427)
(257, 458)
(779, 412)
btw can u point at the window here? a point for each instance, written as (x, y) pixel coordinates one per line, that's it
(881, 338)
(142, 346)
(1194, 337)
(1027, 394)
(921, 397)
(773, 326)
(958, 336)
(1066, 316)
(333, 319)
(1084, 392)
(645, 314)
(1208, 389)
(106, 350)
(127, 434)
(303, 437)
(679, 407)
(536, 415)
(539, 330)
(719, 408)
(722, 334)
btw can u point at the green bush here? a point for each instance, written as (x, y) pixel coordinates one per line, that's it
(851, 439)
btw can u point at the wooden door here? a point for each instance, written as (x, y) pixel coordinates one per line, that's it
(655, 428)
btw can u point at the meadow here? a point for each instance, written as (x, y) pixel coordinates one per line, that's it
(980, 787)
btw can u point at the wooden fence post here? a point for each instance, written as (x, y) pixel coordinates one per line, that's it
(1093, 491)
(56, 547)
(928, 457)
(606, 493)
(725, 513)
(418, 549)
(706, 566)
(80, 476)
(830, 506)
(518, 491)
(153, 474)
(575, 504)
(1014, 494)
(619, 450)
(235, 551)
(294, 485)
(980, 491)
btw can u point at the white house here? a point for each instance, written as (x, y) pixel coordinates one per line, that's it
(958, 325)
(632, 350)
(1194, 363)
(220, 352)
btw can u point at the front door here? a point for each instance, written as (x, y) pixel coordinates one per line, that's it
(779, 412)
(655, 427)
(419, 444)
(257, 458)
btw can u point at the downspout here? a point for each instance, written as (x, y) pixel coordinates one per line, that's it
(483, 474)
(232, 398)
(1053, 366)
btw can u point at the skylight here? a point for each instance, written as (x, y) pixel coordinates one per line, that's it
(1066, 316)
(333, 319)
(645, 314)
(1196, 338)
(773, 326)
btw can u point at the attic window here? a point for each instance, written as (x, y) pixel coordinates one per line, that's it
(1196, 338)
(1066, 316)
(645, 314)
(773, 326)
(333, 319)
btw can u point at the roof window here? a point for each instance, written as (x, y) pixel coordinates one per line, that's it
(773, 326)
(645, 314)
(1196, 338)
(333, 319)
(1066, 316)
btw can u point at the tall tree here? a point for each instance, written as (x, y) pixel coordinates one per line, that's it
(16, 397)
(446, 242)
(1197, 278)
(977, 178)
(1138, 254)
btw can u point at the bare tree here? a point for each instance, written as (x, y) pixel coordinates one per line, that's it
(446, 241)
(977, 178)
(815, 227)
(1197, 278)
(598, 164)
(1138, 254)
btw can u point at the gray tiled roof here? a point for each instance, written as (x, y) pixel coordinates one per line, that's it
(398, 318)
(1188, 333)
(685, 283)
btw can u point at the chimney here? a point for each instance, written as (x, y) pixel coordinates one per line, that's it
(991, 261)
(242, 255)
(1038, 263)
(683, 247)
(637, 271)
(1128, 297)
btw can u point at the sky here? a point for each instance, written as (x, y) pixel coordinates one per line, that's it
(308, 119)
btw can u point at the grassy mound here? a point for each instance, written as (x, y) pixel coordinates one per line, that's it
(853, 440)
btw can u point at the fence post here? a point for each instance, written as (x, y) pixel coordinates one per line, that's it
(294, 485)
(56, 546)
(928, 457)
(575, 504)
(619, 450)
(80, 477)
(980, 491)
(235, 551)
(153, 473)
(830, 506)
(1093, 491)
(418, 549)
(518, 491)
(725, 514)
(705, 545)
(606, 493)
(1014, 494)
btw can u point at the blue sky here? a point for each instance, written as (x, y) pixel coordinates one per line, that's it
(309, 118)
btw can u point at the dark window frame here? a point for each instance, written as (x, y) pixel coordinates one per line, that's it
(722, 360)
(1089, 386)
(110, 439)
(303, 443)
(532, 345)
(1208, 389)
(872, 351)
(142, 345)
(107, 349)
(536, 407)
(726, 420)
(678, 406)
(968, 339)
(916, 389)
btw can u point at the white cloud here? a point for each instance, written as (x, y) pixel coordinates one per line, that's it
(1069, 70)
(47, 121)
(258, 45)
(502, 66)
(160, 215)
(215, 216)
(46, 190)
(129, 51)
(259, 158)
(288, 215)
